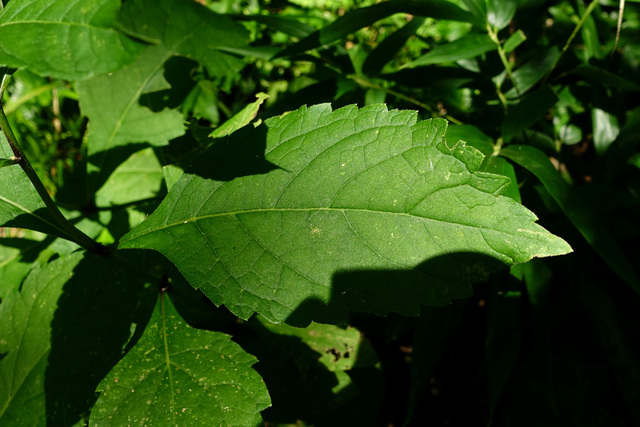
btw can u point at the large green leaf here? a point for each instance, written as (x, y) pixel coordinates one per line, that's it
(177, 375)
(67, 39)
(348, 210)
(187, 29)
(116, 120)
(111, 101)
(62, 333)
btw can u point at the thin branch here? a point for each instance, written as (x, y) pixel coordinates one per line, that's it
(584, 17)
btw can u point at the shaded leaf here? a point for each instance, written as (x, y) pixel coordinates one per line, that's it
(242, 118)
(434, 331)
(74, 39)
(504, 338)
(178, 375)
(387, 49)
(354, 194)
(579, 213)
(71, 320)
(139, 177)
(515, 40)
(531, 108)
(606, 78)
(531, 72)
(605, 129)
(20, 204)
(187, 29)
(466, 47)
(356, 19)
(113, 129)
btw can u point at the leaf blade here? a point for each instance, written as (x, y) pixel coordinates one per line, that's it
(59, 328)
(173, 382)
(339, 192)
(57, 29)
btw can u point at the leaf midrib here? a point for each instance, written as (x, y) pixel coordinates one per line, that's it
(343, 210)
(27, 211)
(70, 24)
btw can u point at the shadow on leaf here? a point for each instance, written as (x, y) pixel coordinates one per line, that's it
(101, 309)
(436, 281)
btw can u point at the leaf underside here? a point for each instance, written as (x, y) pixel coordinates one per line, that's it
(318, 212)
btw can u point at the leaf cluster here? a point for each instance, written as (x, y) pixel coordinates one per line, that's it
(319, 213)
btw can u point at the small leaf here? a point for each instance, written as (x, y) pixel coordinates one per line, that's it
(605, 129)
(9, 162)
(363, 210)
(515, 40)
(58, 28)
(340, 349)
(389, 47)
(500, 12)
(177, 375)
(469, 46)
(531, 72)
(593, 230)
(242, 118)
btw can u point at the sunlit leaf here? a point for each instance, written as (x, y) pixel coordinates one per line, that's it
(66, 39)
(362, 210)
(467, 47)
(178, 375)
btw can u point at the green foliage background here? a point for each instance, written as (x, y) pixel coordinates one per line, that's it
(140, 119)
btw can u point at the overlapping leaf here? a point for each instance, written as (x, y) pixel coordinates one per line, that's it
(62, 333)
(177, 375)
(347, 210)
(67, 39)
(117, 121)
(187, 29)
(118, 124)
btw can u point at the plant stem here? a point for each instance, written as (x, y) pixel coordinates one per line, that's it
(493, 34)
(584, 17)
(72, 233)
